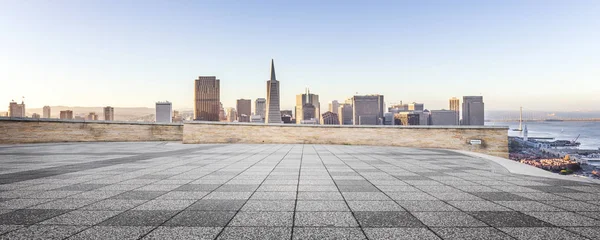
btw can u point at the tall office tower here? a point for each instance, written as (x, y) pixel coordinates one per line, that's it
(273, 114)
(388, 119)
(244, 109)
(407, 119)
(92, 116)
(333, 106)
(472, 111)
(47, 112)
(66, 114)
(35, 116)
(260, 107)
(310, 101)
(330, 118)
(308, 113)
(109, 113)
(16, 110)
(164, 112)
(455, 106)
(345, 114)
(444, 117)
(222, 114)
(231, 115)
(207, 98)
(416, 106)
(368, 109)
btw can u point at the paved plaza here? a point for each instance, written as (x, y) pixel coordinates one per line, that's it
(163, 190)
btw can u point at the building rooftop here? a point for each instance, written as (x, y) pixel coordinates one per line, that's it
(165, 190)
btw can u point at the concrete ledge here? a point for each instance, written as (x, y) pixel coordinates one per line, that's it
(524, 169)
(494, 138)
(23, 130)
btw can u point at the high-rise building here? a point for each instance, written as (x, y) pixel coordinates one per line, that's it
(164, 112)
(308, 113)
(330, 118)
(207, 98)
(407, 119)
(273, 114)
(16, 110)
(92, 116)
(455, 106)
(345, 114)
(222, 114)
(388, 119)
(35, 116)
(416, 106)
(231, 115)
(260, 107)
(109, 113)
(333, 106)
(398, 108)
(368, 109)
(307, 102)
(47, 112)
(444, 117)
(473, 111)
(244, 109)
(66, 114)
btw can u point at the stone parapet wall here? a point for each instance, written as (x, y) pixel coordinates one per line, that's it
(494, 139)
(23, 130)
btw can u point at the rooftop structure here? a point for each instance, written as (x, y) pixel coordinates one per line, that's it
(283, 192)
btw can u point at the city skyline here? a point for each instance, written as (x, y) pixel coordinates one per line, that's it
(514, 53)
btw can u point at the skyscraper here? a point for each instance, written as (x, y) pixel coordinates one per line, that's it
(260, 107)
(66, 114)
(307, 102)
(16, 110)
(164, 112)
(231, 115)
(473, 111)
(345, 114)
(444, 117)
(207, 98)
(333, 106)
(416, 106)
(92, 116)
(35, 116)
(368, 109)
(330, 118)
(47, 112)
(109, 113)
(273, 114)
(455, 106)
(244, 109)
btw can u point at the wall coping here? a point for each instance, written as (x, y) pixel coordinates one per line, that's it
(56, 120)
(344, 126)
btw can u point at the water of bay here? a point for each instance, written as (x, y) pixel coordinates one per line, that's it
(590, 131)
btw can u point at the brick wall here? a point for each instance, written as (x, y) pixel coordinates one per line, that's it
(53, 130)
(494, 139)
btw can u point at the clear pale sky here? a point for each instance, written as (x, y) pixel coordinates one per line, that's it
(544, 55)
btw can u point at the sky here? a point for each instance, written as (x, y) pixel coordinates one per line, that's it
(541, 54)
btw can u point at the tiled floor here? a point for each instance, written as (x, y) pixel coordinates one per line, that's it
(176, 191)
